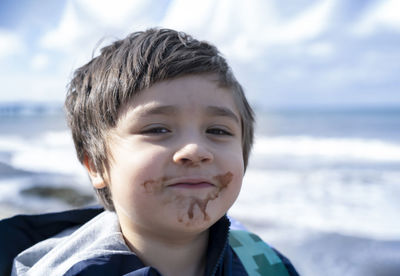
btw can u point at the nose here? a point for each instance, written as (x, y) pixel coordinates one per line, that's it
(192, 155)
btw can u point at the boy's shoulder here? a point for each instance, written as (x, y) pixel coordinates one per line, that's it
(66, 233)
(21, 232)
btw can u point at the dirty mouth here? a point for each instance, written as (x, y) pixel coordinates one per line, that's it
(198, 185)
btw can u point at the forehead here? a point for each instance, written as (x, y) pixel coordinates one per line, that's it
(188, 92)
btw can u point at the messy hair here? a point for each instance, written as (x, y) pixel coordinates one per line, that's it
(123, 69)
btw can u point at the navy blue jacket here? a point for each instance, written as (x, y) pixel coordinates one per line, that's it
(23, 231)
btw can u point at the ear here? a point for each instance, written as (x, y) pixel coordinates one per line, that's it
(96, 178)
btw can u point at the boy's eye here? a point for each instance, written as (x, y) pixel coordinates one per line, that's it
(156, 130)
(219, 131)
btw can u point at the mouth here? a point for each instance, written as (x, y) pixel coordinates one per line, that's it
(191, 183)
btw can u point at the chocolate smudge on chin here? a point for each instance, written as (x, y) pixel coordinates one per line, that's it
(155, 186)
(202, 204)
(223, 182)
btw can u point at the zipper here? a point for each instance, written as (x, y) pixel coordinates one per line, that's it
(221, 256)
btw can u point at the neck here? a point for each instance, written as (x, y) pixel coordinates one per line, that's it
(185, 255)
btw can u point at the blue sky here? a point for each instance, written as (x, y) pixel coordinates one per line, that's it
(286, 53)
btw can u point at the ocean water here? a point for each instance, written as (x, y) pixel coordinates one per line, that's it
(329, 170)
(323, 186)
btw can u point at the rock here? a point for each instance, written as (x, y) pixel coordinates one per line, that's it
(65, 194)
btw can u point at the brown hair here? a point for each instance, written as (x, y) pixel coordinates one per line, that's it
(123, 69)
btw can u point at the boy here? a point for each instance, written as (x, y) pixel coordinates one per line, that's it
(164, 131)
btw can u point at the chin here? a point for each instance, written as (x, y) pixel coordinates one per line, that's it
(198, 222)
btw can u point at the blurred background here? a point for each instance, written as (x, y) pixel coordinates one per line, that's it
(323, 184)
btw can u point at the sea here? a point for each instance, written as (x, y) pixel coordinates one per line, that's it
(322, 185)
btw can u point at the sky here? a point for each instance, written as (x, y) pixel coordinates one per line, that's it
(303, 53)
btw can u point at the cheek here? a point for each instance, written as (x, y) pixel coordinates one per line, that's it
(235, 185)
(138, 164)
(233, 161)
(132, 177)
(236, 165)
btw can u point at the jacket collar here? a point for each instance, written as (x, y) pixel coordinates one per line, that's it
(217, 245)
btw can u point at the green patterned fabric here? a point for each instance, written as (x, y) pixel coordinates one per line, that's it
(256, 256)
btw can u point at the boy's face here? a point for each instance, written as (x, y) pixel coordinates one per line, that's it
(176, 157)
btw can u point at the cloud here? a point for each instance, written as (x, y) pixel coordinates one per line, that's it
(32, 87)
(385, 14)
(88, 20)
(40, 61)
(118, 13)
(52, 55)
(307, 25)
(10, 44)
(321, 49)
(65, 35)
(242, 30)
(245, 29)
(86, 23)
(306, 55)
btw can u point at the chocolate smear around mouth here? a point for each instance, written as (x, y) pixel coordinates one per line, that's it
(223, 181)
(155, 186)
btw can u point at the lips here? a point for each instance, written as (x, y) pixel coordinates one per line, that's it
(191, 183)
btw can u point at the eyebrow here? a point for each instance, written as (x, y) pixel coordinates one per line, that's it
(222, 111)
